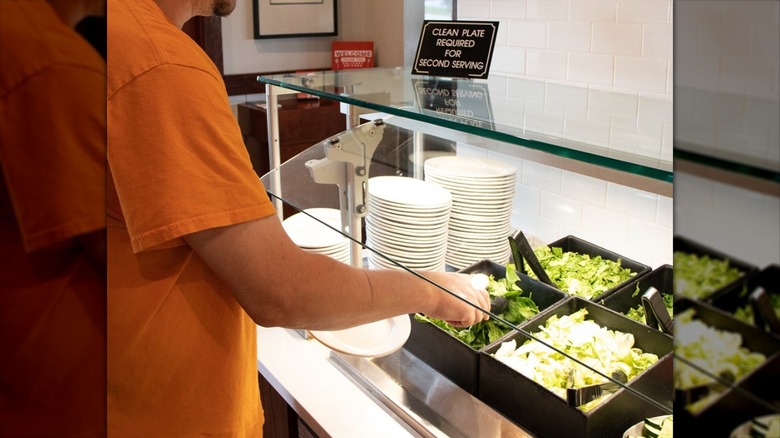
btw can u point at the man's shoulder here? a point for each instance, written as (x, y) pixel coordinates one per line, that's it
(140, 40)
(34, 40)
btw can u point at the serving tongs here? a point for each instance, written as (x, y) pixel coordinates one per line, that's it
(655, 311)
(521, 250)
(692, 394)
(763, 313)
(584, 394)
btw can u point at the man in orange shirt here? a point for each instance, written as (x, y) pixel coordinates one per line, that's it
(197, 255)
(52, 222)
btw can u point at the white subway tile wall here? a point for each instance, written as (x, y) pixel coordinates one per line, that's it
(551, 203)
(738, 222)
(619, 52)
(620, 44)
(727, 95)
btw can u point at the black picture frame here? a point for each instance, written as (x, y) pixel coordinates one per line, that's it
(294, 18)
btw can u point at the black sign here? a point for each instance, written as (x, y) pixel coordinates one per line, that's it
(465, 103)
(458, 49)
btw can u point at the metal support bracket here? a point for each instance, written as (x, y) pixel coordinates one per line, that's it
(346, 164)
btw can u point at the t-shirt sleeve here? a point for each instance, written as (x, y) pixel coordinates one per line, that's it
(53, 154)
(177, 157)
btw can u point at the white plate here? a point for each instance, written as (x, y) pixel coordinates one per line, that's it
(426, 155)
(411, 191)
(307, 232)
(415, 208)
(374, 339)
(637, 429)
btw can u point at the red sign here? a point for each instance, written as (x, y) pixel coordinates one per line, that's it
(352, 54)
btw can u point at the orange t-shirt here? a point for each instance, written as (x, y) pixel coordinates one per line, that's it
(181, 351)
(52, 189)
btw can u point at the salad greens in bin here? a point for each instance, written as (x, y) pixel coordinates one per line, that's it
(597, 346)
(638, 313)
(712, 349)
(697, 276)
(578, 274)
(520, 307)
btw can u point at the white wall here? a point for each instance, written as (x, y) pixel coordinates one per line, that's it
(551, 203)
(727, 101)
(618, 44)
(391, 25)
(733, 220)
(728, 83)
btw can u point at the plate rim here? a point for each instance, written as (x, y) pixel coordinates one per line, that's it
(402, 322)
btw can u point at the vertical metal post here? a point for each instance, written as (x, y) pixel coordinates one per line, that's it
(353, 117)
(355, 222)
(274, 154)
(418, 149)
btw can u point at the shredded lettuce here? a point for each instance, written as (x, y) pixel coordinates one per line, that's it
(600, 348)
(714, 350)
(638, 313)
(745, 313)
(697, 276)
(580, 274)
(481, 334)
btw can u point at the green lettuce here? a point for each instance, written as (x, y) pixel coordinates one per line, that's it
(697, 276)
(715, 350)
(481, 334)
(638, 313)
(578, 274)
(600, 348)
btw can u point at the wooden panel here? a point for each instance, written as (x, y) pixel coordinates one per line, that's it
(207, 32)
(304, 431)
(281, 421)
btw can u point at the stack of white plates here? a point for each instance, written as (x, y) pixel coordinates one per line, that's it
(407, 221)
(312, 236)
(482, 192)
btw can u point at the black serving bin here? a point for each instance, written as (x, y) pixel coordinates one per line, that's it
(768, 278)
(575, 244)
(692, 247)
(545, 414)
(455, 359)
(627, 298)
(753, 395)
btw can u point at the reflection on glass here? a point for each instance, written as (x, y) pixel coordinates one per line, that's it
(623, 131)
(727, 210)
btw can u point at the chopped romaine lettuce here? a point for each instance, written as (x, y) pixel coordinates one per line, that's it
(696, 276)
(638, 313)
(600, 348)
(714, 350)
(745, 313)
(580, 274)
(519, 309)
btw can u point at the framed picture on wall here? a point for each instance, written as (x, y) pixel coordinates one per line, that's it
(294, 18)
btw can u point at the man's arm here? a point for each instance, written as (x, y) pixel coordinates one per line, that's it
(278, 284)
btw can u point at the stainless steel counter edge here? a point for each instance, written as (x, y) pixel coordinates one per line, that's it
(394, 395)
(323, 396)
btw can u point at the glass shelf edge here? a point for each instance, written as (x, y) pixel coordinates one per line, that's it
(659, 174)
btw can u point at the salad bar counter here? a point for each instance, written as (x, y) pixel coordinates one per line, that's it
(580, 339)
